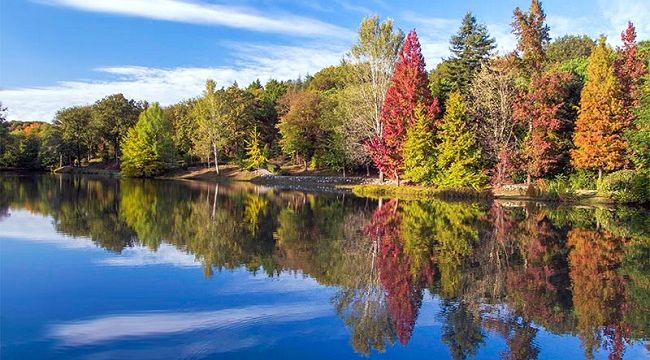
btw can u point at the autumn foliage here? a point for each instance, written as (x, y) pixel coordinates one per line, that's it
(600, 127)
(545, 112)
(408, 88)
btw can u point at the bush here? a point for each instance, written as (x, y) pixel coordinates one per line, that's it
(583, 180)
(627, 186)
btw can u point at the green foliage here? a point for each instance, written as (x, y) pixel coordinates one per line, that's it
(148, 148)
(256, 157)
(418, 151)
(627, 186)
(113, 116)
(184, 127)
(457, 163)
(583, 179)
(569, 47)
(75, 126)
(470, 46)
(639, 137)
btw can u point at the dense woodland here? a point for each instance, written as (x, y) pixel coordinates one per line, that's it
(564, 112)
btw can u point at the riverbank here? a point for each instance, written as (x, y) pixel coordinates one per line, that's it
(363, 186)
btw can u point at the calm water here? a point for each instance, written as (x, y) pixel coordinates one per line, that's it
(106, 269)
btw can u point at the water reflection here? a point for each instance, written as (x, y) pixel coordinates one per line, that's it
(500, 268)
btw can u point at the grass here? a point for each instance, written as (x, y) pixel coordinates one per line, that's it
(409, 192)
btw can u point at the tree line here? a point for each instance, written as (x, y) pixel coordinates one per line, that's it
(573, 109)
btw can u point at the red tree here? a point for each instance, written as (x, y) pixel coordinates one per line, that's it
(629, 69)
(409, 86)
(543, 108)
(403, 291)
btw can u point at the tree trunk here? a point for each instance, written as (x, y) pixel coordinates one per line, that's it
(600, 176)
(304, 164)
(397, 177)
(528, 179)
(344, 172)
(381, 176)
(368, 170)
(216, 160)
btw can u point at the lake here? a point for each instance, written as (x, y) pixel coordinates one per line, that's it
(100, 268)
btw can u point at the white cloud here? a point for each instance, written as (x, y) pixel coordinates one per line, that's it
(143, 256)
(618, 13)
(27, 226)
(168, 86)
(115, 327)
(209, 14)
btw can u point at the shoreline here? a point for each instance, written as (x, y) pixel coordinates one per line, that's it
(361, 186)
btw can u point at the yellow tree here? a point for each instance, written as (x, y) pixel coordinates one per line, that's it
(599, 132)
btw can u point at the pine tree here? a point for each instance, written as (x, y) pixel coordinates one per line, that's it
(418, 150)
(148, 148)
(470, 46)
(457, 163)
(532, 36)
(598, 136)
(255, 156)
(409, 86)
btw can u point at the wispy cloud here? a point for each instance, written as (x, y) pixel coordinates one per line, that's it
(114, 327)
(138, 256)
(618, 13)
(201, 13)
(169, 85)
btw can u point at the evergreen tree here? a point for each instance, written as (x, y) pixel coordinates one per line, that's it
(470, 46)
(148, 148)
(255, 154)
(458, 157)
(598, 136)
(418, 150)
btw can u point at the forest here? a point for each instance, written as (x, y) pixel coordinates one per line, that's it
(570, 112)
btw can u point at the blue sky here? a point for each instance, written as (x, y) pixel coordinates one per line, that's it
(56, 53)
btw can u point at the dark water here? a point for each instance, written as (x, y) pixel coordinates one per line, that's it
(104, 269)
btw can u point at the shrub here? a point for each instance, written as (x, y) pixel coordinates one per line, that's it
(627, 186)
(583, 179)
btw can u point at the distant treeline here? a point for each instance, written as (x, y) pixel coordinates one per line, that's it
(566, 110)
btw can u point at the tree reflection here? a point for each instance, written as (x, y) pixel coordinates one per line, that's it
(503, 268)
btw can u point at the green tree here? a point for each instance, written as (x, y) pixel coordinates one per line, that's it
(639, 136)
(255, 154)
(74, 124)
(418, 151)
(113, 116)
(220, 116)
(569, 47)
(300, 124)
(148, 148)
(184, 126)
(470, 46)
(458, 157)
